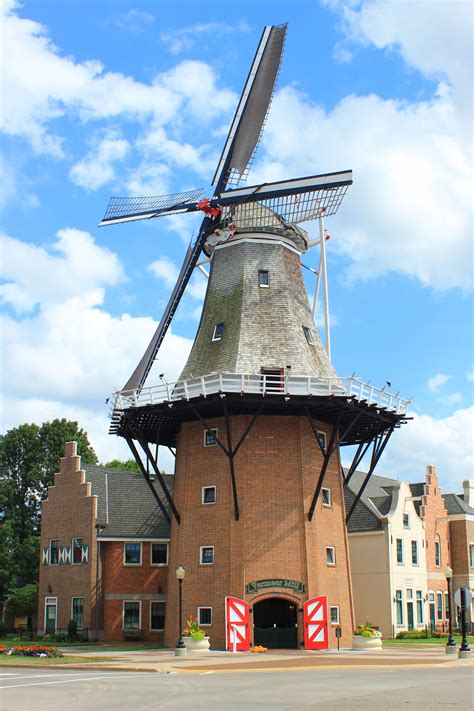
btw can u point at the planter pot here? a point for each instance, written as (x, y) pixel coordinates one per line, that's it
(200, 646)
(359, 642)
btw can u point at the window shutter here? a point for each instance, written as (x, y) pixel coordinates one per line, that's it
(46, 555)
(85, 554)
(67, 554)
(61, 555)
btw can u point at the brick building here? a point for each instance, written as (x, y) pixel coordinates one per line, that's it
(460, 508)
(104, 554)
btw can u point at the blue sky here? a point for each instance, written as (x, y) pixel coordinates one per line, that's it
(116, 98)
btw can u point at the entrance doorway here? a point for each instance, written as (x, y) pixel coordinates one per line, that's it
(275, 623)
(50, 615)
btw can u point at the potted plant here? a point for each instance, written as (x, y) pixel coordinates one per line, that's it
(194, 638)
(366, 637)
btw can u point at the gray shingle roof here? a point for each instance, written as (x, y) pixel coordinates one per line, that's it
(363, 518)
(417, 489)
(125, 505)
(455, 504)
(374, 503)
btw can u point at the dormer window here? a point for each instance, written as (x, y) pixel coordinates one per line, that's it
(309, 335)
(263, 278)
(218, 332)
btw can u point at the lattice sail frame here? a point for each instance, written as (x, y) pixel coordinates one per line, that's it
(133, 207)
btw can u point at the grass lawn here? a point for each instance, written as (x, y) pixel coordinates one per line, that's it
(14, 661)
(424, 640)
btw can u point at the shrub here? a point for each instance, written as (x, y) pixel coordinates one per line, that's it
(193, 630)
(413, 634)
(72, 629)
(3, 629)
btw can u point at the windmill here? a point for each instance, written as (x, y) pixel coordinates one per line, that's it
(258, 397)
(288, 202)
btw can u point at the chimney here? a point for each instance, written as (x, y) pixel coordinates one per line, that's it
(468, 487)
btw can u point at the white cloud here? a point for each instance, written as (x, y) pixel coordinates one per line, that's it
(65, 357)
(184, 38)
(470, 375)
(74, 267)
(445, 443)
(411, 188)
(97, 167)
(450, 399)
(437, 381)
(165, 270)
(39, 85)
(133, 21)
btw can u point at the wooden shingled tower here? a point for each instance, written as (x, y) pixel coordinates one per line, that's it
(259, 415)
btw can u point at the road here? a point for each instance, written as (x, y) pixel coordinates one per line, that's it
(280, 690)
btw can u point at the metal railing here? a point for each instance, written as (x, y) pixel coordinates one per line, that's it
(259, 384)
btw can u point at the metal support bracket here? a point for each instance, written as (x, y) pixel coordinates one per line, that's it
(380, 442)
(159, 476)
(143, 470)
(333, 442)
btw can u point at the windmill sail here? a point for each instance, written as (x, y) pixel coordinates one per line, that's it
(253, 107)
(126, 209)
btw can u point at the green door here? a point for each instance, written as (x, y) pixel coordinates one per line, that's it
(50, 615)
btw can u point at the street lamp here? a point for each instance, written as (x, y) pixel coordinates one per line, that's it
(451, 644)
(180, 647)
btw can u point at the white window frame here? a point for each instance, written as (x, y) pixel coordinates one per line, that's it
(211, 429)
(51, 540)
(133, 565)
(218, 338)
(309, 335)
(329, 504)
(439, 593)
(437, 545)
(139, 615)
(471, 554)
(264, 271)
(76, 538)
(159, 565)
(418, 599)
(333, 549)
(47, 601)
(154, 602)
(322, 434)
(204, 624)
(417, 564)
(201, 549)
(77, 597)
(399, 599)
(338, 621)
(208, 503)
(407, 527)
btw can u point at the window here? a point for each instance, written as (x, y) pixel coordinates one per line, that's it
(439, 606)
(399, 604)
(157, 616)
(76, 550)
(131, 615)
(446, 606)
(309, 335)
(218, 332)
(132, 553)
(406, 520)
(322, 439)
(399, 551)
(437, 554)
(334, 615)
(326, 497)
(54, 552)
(207, 555)
(210, 437)
(77, 611)
(409, 592)
(159, 554)
(208, 494)
(205, 616)
(331, 555)
(471, 555)
(263, 278)
(414, 552)
(419, 606)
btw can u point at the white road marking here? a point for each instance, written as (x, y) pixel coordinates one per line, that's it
(204, 673)
(10, 674)
(65, 681)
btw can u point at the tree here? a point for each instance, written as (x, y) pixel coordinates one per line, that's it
(29, 457)
(129, 465)
(23, 602)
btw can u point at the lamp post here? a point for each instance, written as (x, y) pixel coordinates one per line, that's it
(180, 647)
(451, 644)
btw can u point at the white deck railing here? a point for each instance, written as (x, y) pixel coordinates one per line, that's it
(256, 384)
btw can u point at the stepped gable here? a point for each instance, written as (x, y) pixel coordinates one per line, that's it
(125, 506)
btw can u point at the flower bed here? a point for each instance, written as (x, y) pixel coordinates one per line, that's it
(32, 650)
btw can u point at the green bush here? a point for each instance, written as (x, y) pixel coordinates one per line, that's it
(72, 629)
(413, 634)
(3, 629)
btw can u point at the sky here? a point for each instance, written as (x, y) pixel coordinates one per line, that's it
(106, 98)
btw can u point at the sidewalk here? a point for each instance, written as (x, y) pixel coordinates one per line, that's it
(164, 661)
